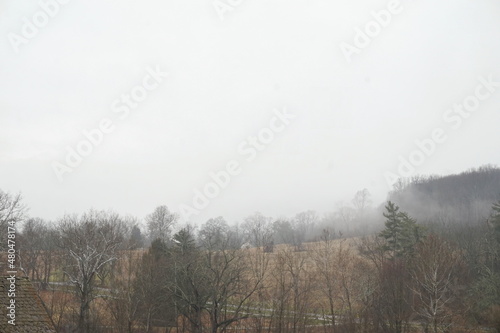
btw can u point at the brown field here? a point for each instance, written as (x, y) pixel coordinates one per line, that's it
(294, 295)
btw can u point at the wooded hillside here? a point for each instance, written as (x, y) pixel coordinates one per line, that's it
(461, 198)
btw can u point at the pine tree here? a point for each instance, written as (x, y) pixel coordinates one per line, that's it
(401, 232)
(411, 234)
(184, 241)
(392, 230)
(495, 220)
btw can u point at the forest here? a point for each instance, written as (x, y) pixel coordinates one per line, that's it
(425, 260)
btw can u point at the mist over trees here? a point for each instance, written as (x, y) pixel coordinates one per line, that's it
(462, 198)
(160, 223)
(401, 267)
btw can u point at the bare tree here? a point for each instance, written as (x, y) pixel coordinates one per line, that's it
(394, 297)
(211, 284)
(49, 257)
(123, 304)
(12, 211)
(362, 200)
(214, 234)
(160, 223)
(258, 230)
(231, 287)
(128, 282)
(373, 249)
(436, 272)
(345, 215)
(292, 291)
(260, 266)
(302, 225)
(89, 244)
(33, 245)
(324, 263)
(339, 281)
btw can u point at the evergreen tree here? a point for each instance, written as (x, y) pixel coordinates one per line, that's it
(392, 230)
(411, 234)
(184, 241)
(401, 232)
(189, 286)
(495, 220)
(155, 306)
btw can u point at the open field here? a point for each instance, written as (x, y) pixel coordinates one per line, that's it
(324, 285)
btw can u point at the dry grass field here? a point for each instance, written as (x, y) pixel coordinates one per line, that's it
(324, 285)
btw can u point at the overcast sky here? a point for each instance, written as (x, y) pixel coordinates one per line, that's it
(232, 66)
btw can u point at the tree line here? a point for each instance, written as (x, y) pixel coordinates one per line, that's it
(462, 198)
(99, 272)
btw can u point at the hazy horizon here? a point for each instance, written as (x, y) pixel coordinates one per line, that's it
(161, 97)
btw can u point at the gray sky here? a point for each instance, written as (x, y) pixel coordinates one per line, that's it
(354, 116)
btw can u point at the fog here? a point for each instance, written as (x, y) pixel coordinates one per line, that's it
(227, 108)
